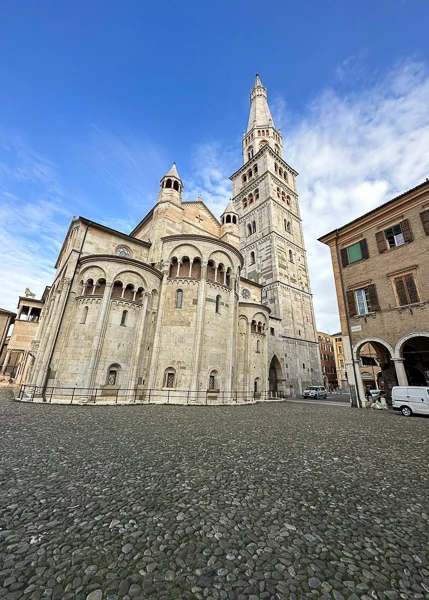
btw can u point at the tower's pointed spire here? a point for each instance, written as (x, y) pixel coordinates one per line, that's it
(260, 115)
(173, 172)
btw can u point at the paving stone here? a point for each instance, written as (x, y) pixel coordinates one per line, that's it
(219, 503)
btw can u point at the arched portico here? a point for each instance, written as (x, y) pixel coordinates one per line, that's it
(412, 354)
(375, 356)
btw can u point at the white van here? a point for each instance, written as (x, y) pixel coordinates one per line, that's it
(411, 400)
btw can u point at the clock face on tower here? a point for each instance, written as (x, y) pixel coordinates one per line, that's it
(245, 294)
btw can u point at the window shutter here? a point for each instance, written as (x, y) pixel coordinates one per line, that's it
(400, 291)
(373, 298)
(364, 248)
(406, 230)
(344, 257)
(381, 241)
(412, 289)
(351, 303)
(425, 220)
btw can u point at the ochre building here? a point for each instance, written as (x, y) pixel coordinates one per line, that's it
(381, 270)
(188, 308)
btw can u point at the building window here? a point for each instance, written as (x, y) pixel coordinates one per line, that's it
(253, 227)
(340, 349)
(406, 289)
(124, 318)
(394, 236)
(179, 298)
(218, 303)
(303, 365)
(272, 330)
(84, 315)
(213, 381)
(354, 253)
(249, 229)
(291, 256)
(363, 301)
(169, 377)
(113, 375)
(123, 251)
(252, 258)
(258, 346)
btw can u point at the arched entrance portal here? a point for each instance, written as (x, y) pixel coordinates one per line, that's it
(415, 352)
(275, 378)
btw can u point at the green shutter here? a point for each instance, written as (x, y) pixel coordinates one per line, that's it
(355, 252)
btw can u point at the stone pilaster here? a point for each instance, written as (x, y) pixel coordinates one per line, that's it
(137, 345)
(199, 327)
(98, 335)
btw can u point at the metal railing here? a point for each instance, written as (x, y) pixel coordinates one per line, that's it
(118, 395)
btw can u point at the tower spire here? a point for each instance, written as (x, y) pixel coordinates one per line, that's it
(260, 115)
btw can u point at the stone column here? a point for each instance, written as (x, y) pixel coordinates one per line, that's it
(249, 378)
(28, 364)
(52, 330)
(165, 268)
(136, 352)
(199, 327)
(6, 362)
(232, 325)
(360, 390)
(400, 371)
(96, 340)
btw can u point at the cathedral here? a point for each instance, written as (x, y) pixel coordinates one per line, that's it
(187, 308)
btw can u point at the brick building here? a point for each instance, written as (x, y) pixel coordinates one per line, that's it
(381, 270)
(327, 360)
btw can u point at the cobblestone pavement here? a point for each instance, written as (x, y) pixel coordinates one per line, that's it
(276, 501)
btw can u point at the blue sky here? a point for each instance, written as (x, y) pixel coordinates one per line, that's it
(99, 98)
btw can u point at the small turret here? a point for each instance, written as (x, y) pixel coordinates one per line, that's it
(171, 187)
(229, 229)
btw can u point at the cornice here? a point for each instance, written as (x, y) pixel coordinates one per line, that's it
(121, 259)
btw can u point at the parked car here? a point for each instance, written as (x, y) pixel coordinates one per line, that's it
(377, 394)
(314, 391)
(411, 400)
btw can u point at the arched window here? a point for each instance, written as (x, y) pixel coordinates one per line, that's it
(256, 193)
(285, 222)
(228, 218)
(124, 317)
(288, 199)
(253, 227)
(259, 327)
(252, 258)
(249, 174)
(258, 347)
(168, 184)
(278, 192)
(286, 176)
(179, 298)
(218, 303)
(259, 132)
(288, 227)
(234, 220)
(249, 229)
(213, 380)
(291, 256)
(267, 132)
(173, 267)
(196, 268)
(255, 169)
(276, 168)
(281, 172)
(283, 196)
(112, 377)
(176, 186)
(256, 385)
(250, 198)
(89, 287)
(253, 327)
(169, 377)
(84, 315)
(244, 179)
(244, 202)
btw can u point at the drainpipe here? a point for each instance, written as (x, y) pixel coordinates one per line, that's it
(349, 331)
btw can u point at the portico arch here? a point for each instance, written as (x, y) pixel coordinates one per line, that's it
(375, 355)
(413, 354)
